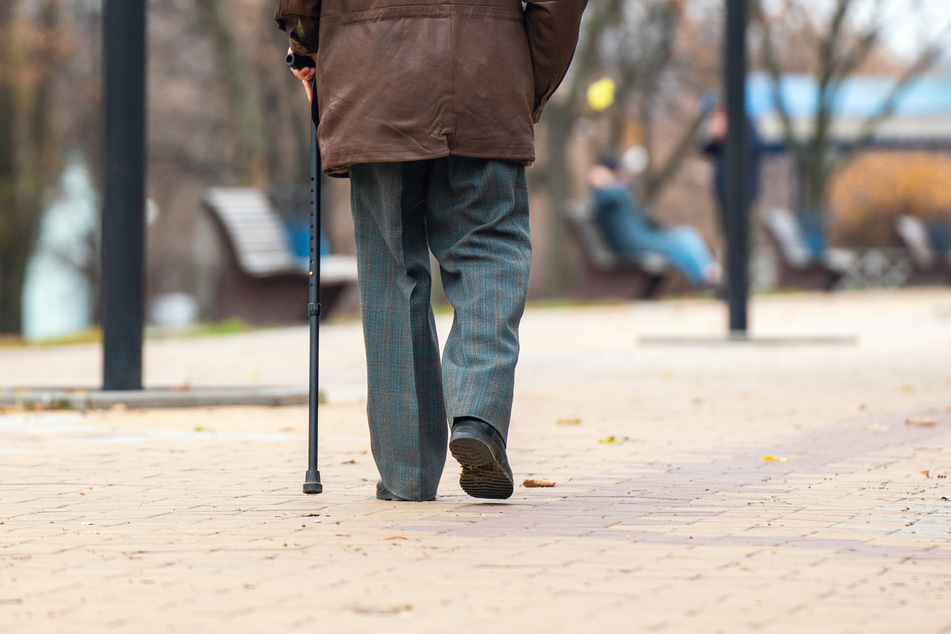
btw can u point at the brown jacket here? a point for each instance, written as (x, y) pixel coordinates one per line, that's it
(403, 80)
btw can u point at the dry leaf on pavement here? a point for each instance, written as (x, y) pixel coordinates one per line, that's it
(531, 484)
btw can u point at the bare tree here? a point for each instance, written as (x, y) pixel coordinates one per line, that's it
(660, 64)
(249, 125)
(660, 76)
(28, 156)
(650, 49)
(840, 46)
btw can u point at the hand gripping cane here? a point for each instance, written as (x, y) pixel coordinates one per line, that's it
(312, 479)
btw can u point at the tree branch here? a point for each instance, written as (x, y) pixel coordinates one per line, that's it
(775, 72)
(811, 31)
(928, 58)
(653, 185)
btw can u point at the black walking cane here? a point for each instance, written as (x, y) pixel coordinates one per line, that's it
(312, 479)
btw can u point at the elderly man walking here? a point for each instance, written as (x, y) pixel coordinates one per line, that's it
(429, 107)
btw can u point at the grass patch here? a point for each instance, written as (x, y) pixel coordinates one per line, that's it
(90, 335)
(232, 326)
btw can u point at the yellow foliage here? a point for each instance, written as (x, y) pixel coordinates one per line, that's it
(601, 94)
(868, 196)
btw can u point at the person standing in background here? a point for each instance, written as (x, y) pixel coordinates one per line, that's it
(715, 148)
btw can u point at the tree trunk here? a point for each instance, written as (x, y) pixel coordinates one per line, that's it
(11, 278)
(558, 123)
(252, 160)
(12, 273)
(27, 156)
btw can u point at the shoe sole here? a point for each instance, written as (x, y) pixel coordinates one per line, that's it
(482, 476)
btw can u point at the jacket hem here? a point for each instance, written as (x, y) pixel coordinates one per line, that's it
(339, 165)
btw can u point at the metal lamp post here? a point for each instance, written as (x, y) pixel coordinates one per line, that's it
(123, 217)
(737, 181)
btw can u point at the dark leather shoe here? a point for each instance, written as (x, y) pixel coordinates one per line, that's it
(485, 467)
(382, 493)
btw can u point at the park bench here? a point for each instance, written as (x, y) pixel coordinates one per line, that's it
(606, 274)
(798, 267)
(928, 266)
(263, 281)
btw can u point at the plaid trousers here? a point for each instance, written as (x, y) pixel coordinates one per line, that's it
(473, 215)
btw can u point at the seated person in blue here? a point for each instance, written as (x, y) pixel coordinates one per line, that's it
(629, 233)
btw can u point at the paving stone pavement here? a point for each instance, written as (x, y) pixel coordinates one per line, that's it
(749, 487)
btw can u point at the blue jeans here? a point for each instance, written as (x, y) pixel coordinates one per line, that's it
(685, 248)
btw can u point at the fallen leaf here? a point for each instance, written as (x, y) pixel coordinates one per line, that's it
(609, 440)
(774, 459)
(349, 462)
(921, 422)
(530, 483)
(400, 537)
(925, 473)
(569, 421)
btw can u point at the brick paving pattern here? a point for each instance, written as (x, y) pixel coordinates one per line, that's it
(697, 488)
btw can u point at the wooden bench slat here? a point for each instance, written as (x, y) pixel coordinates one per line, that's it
(604, 269)
(798, 267)
(265, 281)
(260, 239)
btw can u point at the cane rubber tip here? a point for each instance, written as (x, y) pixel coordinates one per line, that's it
(312, 483)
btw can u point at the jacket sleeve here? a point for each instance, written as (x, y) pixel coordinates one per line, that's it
(300, 19)
(552, 27)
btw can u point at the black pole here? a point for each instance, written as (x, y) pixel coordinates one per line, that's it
(312, 478)
(123, 216)
(737, 196)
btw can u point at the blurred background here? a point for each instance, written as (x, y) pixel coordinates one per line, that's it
(850, 101)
